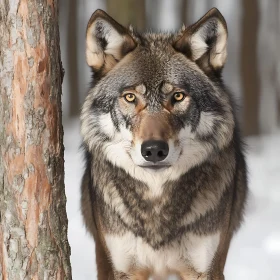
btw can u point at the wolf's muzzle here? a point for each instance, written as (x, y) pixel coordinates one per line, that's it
(154, 150)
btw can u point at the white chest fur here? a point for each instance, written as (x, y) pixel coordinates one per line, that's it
(193, 250)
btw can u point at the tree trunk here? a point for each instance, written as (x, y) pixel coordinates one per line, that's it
(128, 12)
(33, 231)
(72, 46)
(166, 15)
(268, 51)
(184, 12)
(249, 67)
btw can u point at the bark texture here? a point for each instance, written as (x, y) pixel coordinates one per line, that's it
(33, 231)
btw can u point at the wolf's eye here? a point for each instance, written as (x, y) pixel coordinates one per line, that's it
(130, 97)
(178, 96)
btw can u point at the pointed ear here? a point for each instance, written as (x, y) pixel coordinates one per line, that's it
(107, 42)
(205, 42)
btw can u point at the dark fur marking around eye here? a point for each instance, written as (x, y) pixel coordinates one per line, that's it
(101, 104)
(207, 102)
(115, 119)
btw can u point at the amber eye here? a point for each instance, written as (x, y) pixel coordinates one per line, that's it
(130, 97)
(178, 96)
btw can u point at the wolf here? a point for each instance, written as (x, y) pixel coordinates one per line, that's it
(165, 184)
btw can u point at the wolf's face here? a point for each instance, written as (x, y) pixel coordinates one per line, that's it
(158, 105)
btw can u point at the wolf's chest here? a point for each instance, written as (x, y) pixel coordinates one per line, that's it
(129, 252)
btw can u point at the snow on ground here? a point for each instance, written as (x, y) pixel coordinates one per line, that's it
(255, 250)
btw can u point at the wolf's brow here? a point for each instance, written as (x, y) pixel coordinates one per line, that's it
(141, 88)
(167, 88)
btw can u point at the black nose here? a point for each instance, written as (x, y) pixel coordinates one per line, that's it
(154, 150)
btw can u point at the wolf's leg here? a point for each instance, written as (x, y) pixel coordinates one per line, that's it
(218, 277)
(197, 276)
(218, 264)
(135, 275)
(191, 274)
(104, 267)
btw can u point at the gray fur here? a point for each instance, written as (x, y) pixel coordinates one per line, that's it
(207, 192)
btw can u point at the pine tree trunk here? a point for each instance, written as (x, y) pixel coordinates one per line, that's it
(33, 231)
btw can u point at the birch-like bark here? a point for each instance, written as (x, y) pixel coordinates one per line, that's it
(33, 230)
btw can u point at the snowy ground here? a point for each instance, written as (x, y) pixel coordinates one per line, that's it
(255, 250)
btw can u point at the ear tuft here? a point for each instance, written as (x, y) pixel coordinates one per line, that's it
(205, 42)
(107, 42)
(183, 28)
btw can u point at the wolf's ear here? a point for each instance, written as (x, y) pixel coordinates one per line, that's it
(107, 41)
(205, 42)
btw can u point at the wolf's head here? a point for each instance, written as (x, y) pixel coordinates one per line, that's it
(158, 105)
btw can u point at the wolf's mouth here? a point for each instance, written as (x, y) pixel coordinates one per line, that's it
(155, 167)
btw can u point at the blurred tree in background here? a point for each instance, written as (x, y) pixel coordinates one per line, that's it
(72, 55)
(128, 12)
(249, 67)
(269, 65)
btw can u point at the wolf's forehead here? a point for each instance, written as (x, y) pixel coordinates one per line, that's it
(153, 64)
(159, 70)
(151, 68)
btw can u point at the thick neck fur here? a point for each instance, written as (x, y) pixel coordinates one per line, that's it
(194, 202)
